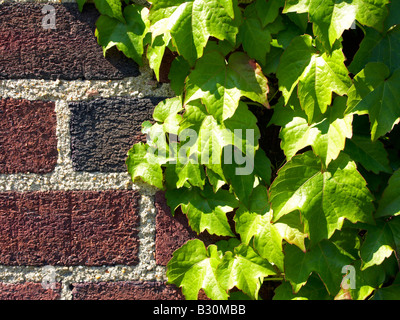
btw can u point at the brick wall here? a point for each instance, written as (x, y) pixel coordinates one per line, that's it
(68, 209)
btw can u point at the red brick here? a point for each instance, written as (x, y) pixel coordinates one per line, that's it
(69, 228)
(34, 228)
(28, 141)
(104, 228)
(126, 290)
(28, 291)
(70, 52)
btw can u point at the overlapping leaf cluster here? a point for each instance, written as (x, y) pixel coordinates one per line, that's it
(335, 202)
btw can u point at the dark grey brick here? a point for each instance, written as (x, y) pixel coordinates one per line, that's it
(103, 130)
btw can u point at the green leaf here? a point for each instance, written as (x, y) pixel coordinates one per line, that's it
(325, 198)
(366, 281)
(389, 204)
(314, 289)
(240, 131)
(391, 292)
(262, 166)
(191, 23)
(242, 184)
(220, 85)
(268, 10)
(208, 139)
(292, 229)
(325, 259)
(380, 242)
(127, 37)
(267, 240)
(378, 47)
(371, 155)
(178, 72)
(327, 137)
(205, 209)
(255, 38)
(316, 75)
(155, 53)
(194, 267)
(81, 3)
(330, 18)
(377, 93)
(111, 8)
(142, 164)
(189, 172)
(167, 113)
(244, 269)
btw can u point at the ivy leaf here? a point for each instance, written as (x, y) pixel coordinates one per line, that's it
(211, 137)
(389, 204)
(155, 53)
(255, 38)
(327, 137)
(267, 239)
(314, 289)
(376, 92)
(324, 197)
(292, 229)
(111, 8)
(366, 281)
(268, 11)
(81, 3)
(189, 172)
(378, 47)
(194, 267)
(324, 258)
(380, 242)
(330, 18)
(220, 85)
(208, 139)
(391, 292)
(191, 23)
(262, 166)
(317, 75)
(371, 155)
(205, 209)
(127, 37)
(178, 72)
(167, 113)
(244, 269)
(255, 224)
(141, 164)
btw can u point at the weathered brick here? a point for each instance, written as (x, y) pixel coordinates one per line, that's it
(28, 291)
(69, 228)
(28, 141)
(104, 228)
(126, 290)
(103, 130)
(34, 228)
(174, 231)
(28, 51)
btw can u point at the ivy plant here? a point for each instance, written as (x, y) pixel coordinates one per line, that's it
(316, 211)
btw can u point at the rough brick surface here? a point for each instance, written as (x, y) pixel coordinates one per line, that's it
(104, 228)
(28, 291)
(126, 290)
(70, 51)
(103, 130)
(28, 140)
(69, 228)
(174, 231)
